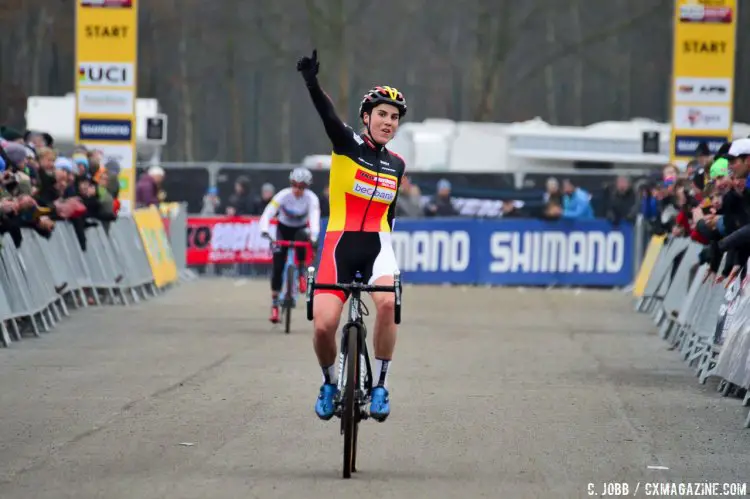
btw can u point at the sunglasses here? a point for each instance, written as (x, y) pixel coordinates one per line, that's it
(299, 185)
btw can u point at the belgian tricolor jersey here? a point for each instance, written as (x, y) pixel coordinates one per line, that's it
(364, 178)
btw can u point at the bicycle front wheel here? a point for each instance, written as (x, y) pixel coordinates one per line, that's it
(348, 416)
(288, 302)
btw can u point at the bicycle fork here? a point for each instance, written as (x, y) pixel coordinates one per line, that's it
(363, 361)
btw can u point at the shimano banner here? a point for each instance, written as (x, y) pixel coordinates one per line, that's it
(519, 252)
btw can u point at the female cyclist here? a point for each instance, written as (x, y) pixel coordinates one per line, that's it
(364, 182)
(297, 208)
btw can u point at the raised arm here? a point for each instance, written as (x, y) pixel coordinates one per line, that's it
(338, 132)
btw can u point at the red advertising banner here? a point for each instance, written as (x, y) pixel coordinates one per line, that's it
(224, 239)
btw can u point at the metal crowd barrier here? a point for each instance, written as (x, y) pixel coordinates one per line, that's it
(43, 279)
(706, 321)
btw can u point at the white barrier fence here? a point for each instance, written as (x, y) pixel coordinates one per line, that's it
(704, 320)
(43, 279)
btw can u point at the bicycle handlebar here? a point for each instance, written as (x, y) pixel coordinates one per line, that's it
(358, 286)
(291, 244)
(355, 285)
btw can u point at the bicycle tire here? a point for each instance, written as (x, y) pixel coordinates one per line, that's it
(288, 301)
(348, 415)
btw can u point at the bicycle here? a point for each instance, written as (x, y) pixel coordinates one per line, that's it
(290, 278)
(351, 407)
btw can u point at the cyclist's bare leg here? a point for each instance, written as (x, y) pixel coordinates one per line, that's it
(327, 309)
(384, 339)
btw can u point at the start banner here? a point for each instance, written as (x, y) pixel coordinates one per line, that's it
(105, 82)
(226, 240)
(702, 75)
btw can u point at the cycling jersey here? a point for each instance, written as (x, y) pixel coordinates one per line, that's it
(364, 178)
(363, 189)
(293, 211)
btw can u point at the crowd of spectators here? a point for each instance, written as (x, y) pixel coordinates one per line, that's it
(39, 187)
(241, 202)
(708, 202)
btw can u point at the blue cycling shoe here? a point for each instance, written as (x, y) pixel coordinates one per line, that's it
(380, 406)
(325, 405)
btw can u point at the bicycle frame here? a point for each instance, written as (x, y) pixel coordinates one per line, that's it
(355, 394)
(291, 265)
(355, 322)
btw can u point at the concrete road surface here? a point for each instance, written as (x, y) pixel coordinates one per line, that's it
(495, 393)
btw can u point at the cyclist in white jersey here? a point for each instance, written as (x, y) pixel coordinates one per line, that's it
(295, 207)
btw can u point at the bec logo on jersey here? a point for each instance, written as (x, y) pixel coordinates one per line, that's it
(365, 190)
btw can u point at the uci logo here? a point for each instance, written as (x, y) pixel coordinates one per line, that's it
(101, 74)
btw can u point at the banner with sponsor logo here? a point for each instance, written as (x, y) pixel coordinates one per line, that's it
(105, 81)
(226, 240)
(520, 252)
(158, 251)
(702, 75)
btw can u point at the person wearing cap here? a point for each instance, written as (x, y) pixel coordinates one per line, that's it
(82, 163)
(729, 228)
(11, 135)
(718, 174)
(441, 204)
(211, 201)
(703, 154)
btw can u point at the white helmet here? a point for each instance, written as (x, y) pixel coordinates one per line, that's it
(301, 176)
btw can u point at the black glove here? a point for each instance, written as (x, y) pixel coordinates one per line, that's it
(309, 66)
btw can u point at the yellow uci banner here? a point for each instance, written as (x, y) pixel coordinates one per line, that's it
(159, 253)
(647, 265)
(106, 84)
(702, 75)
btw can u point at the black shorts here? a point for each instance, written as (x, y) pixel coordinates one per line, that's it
(345, 253)
(286, 233)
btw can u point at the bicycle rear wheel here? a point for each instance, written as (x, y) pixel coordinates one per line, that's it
(348, 416)
(288, 301)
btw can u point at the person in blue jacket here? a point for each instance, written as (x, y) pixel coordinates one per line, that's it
(576, 202)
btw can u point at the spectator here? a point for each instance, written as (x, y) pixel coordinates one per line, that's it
(241, 202)
(441, 204)
(703, 155)
(576, 202)
(409, 201)
(552, 200)
(670, 172)
(11, 135)
(727, 227)
(621, 203)
(267, 191)
(113, 181)
(147, 188)
(512, 209)
(211, 202)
